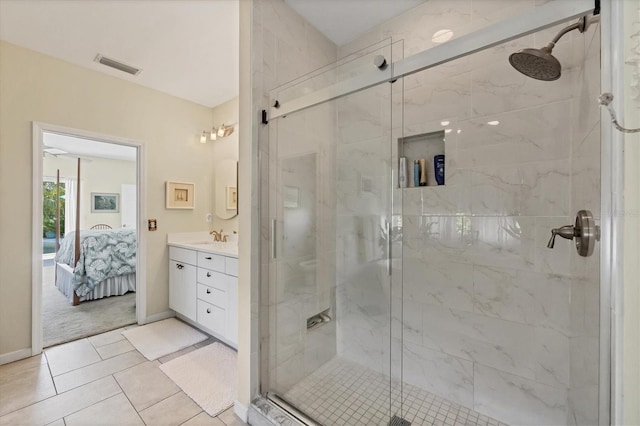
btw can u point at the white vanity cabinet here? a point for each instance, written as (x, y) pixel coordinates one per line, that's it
(182, 281)
(203, 287)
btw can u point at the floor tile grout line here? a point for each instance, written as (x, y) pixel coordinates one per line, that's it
(86, 338)
(127, 396)
(191, 418)
(112, 374)
(158, 402)
(84, 408)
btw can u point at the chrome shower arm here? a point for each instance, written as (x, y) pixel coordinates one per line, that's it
(577, 26)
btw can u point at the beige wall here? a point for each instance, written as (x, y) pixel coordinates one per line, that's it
(631, 119)
(97, 175)
(36, 87)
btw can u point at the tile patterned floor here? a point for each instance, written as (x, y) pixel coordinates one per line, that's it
(342, 393)
(101, 380)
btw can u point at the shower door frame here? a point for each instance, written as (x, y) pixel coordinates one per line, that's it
(542, 17)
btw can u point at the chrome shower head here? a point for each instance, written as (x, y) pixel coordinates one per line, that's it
(537, 63)
(540, 63)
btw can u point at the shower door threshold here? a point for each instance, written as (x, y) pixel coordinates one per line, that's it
(291, 410)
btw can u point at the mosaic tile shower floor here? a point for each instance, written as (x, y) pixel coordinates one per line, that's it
(343, 393)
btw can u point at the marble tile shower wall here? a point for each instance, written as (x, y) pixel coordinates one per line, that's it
(284, 47)
(491, 318)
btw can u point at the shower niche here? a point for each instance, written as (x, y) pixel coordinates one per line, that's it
(428, 150)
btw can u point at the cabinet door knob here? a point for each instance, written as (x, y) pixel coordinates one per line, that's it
(208, 291)
(208, 274)
(208, 310)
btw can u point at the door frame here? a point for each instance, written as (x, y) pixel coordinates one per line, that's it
(612, 216)
(38, 130)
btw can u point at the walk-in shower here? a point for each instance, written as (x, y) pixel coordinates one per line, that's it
(384, 304)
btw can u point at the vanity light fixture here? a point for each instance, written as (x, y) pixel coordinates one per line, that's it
(225, 130)
(217, 132)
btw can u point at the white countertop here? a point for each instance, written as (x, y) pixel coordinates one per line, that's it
(202, 241)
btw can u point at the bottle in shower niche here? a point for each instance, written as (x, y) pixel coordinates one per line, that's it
(423, 172)
(402, 173)
(416, 173)
(438, 168)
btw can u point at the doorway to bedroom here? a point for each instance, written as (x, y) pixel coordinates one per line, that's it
(89, 262)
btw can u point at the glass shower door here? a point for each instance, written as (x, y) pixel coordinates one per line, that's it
(330, 214)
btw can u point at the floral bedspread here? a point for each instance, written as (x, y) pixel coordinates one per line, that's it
(103, 254)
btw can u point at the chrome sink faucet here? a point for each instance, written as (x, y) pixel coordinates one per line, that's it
(218, 236)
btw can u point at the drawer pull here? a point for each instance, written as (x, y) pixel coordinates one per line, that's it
(208, 274)
(208, 258)
(208, 291)
(179, 266)
(208, 310)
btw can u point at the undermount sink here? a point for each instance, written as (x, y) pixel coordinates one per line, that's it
(217, 245)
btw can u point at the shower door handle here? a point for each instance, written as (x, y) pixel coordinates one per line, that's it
(388, 231)
(273, 239)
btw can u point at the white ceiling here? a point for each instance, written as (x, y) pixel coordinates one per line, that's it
(186, 48)
(78, 147)
(344, 20)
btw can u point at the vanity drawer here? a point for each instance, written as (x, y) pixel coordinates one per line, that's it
(212, 317)
(182, 255)
(211, 261)
(213, 279)
(231, 266)
(213, 296)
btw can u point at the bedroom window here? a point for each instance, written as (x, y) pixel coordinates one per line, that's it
(49, 215)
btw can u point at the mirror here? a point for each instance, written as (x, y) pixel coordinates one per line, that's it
(226, 189)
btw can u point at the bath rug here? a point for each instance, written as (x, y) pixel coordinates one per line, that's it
(162, 338)
(208, 375)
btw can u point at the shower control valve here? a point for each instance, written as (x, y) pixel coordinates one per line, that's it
(585, 232)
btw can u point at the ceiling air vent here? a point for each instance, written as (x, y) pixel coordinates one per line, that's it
(117, 65)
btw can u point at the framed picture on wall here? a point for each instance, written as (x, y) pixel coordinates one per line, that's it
(180, 195)
(102, 202)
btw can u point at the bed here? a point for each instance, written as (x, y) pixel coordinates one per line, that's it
(106, 264)
(96, 263)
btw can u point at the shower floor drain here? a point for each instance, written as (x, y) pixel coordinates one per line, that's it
(398, 421)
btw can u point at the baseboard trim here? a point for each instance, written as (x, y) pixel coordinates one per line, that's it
(240, 410)
(159, 317)
(15, 356)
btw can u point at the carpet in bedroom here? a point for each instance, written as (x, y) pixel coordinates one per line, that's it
(63, 323)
